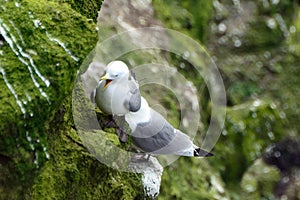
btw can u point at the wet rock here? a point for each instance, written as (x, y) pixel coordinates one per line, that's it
(151, 172)
(285, 155)
(250, 24)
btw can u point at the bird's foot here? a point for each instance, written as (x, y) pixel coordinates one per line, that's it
(123, 136)
(140, 158)
(116, 122)
(107, 122)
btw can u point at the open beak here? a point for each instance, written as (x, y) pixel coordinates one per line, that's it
(107, 81)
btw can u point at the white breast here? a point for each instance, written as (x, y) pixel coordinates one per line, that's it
(112, 99)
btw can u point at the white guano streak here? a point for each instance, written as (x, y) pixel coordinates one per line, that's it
(52, 39)
(10, 87)
(12, 42)
(18, 31)
(25, 55)
(38, 24)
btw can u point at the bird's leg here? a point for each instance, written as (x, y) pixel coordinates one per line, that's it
(121, 128)
(116, 122)
(107, 121)
(140, 158)
(148, 157)
(123, 137)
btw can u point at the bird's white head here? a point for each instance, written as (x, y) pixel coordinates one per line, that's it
(115, 70)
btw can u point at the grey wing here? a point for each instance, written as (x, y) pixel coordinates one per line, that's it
(134, 103)
(160, 137)
(132, 74)
(180, 142)
(96, 91)
(93, 96)
(98, 97)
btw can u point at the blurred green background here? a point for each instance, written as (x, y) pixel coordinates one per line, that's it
(256, 46)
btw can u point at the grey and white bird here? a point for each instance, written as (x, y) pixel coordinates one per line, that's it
(154, 135)
(117, 92)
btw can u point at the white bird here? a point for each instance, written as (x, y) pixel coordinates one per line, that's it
(154, 135)
(117, 92)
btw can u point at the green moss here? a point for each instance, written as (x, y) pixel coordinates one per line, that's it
(32, 27)
(191, 178)
(294, 40)
(86, 8)
(72, 167)
(259, 181)
(260, 36)
(283, 6)
(184, 16)
(242, 91)
(249, 129)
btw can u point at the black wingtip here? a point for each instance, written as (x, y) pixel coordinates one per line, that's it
(202, 153)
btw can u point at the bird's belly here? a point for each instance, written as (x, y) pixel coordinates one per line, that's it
(113, 102)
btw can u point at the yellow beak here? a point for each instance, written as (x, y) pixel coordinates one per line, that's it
(104, 77)
(107, 81)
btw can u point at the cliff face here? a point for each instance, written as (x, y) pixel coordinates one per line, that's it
(44, 44)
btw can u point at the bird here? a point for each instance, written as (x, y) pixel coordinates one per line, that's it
(117, 92)
(153, 134)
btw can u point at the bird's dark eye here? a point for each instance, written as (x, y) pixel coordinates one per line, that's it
(116, 75)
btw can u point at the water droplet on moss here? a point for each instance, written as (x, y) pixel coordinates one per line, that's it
(250, 188)
(271, 135)
(273, 105)
(275, 2)
(242, 125)
(292, 29)
(282, 115)
(186, 55)
(271, 23)
(222, 28)
(182, 65)
(257, 103)
(277, 154)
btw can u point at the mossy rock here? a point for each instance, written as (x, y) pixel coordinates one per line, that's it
(192, 178)
(249, 129)
(260, 35)
(294, 39)
(259, 181)
(40, 149)
(184, 16)
(71, 166)
(42, 45)
(87, 8)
